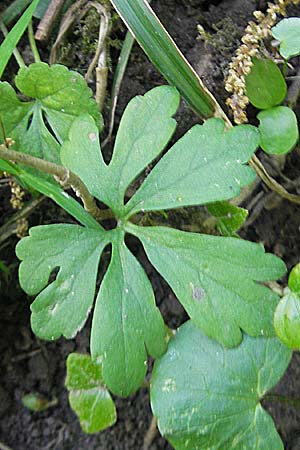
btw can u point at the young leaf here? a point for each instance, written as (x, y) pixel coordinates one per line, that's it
(287, 31)
(7, 47)
(287, 320)
(216, 279)
(278, 130)
(265, 85)
(208, 397)
(229, 217)
(60, 96)
(287, 314)
(126, 323)
(145, 129)
(207, 164)
(63, 306)
(88, 395)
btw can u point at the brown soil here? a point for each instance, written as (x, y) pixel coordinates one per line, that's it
(30, 365)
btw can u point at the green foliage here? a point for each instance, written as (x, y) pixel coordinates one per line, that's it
(60, 95)
(287, 32)
(278, 130)
(13, 10)
(88, 395)
(287, 314)
(217, 279)
(208, 397)
(229, 217)
(265, 85)
(7, 47)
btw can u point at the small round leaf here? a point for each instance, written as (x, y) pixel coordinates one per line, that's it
(288, 33)
(265, 85)
(287, 320)
(206, 396)
(278, 130)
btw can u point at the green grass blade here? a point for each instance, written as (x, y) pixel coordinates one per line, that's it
(16, 8)
(164, 54)
(13, 37)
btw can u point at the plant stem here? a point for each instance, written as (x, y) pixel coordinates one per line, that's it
(47, 22)
(63, 175)
(32, 43)
(282, 399)
(16, 52)
(150, 434)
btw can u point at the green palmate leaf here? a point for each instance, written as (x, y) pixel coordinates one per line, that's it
(62, 308)
(163, 53)
(265, 85)
(288, 33)
(287, 314)
(13, 37)
(206, 165)
(229, 217)
(208, 397)
(88, 395)
(59, 97)
(278, 130)
(216, 279)
(145, 129)
(126, 322)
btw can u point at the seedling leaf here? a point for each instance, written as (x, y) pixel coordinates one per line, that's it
(278, 130)
(265, 85)
(126, 323)
(208, 164)
(59, 97)
(287, 31)
(63, 306)
(287, 314)
(88, 395)
(216, 279)
(229, 217)
(208, 397)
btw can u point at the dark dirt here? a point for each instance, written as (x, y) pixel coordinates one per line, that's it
(30, 365)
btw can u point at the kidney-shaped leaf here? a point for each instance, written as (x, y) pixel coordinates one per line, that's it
(207, 164)
(63, 306)
(88, 395)
(145, 129)
(288, 33)
(278, 130)
(217, 280)
(126, 323)
(59, 96)
(208, 397)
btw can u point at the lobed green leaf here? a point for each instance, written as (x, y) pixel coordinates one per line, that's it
(217, 280)
(207, 164)
(126, 323)
(208, 397)
(63, 306)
